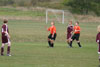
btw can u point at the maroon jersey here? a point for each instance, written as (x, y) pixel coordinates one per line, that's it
(5, 35)
(69, 30)
(98, 41)
(98, 38)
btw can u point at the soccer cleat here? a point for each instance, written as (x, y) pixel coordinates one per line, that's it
(8, 55)
(80, 47)
(69, 46)
(49, 47)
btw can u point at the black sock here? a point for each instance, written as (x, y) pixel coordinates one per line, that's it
(52, 45)
(70, 44)
(2, 50)
(79, 44)
(8, 50)
(49, 43)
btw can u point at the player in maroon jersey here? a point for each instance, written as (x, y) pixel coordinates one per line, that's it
(98, 41)
(5, 38)
(69, 32)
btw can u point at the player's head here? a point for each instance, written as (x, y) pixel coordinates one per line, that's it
(5, 21)
(70, 23)
(52, 23)
(98, 28)
(77, 23)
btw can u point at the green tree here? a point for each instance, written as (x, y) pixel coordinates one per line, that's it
(6, 2)
(83, 6)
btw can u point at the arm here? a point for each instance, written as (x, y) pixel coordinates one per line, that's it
(48, 29)
(72, 30)
(6, 31)
(97, 39)
(77, 30)
(69, 30)
(53, 34)
(54, 31)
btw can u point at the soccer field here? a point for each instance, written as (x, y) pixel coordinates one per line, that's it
(29, 44)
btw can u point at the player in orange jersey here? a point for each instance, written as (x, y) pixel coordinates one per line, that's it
(52, 36)
(76, 34)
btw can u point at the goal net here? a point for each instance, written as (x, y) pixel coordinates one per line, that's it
(59, 16)
(54, 15)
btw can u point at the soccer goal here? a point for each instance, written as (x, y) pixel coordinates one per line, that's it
(54, 15)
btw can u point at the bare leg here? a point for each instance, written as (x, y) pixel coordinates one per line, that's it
(68, 41)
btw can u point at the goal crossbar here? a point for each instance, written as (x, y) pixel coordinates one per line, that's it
(52, 10)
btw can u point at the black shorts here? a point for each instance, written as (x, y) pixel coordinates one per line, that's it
(76, 36)
(52, 38)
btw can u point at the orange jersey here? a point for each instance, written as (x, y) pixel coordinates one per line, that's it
(52, 29)
(77, 29)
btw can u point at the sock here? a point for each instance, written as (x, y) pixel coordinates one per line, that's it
(70, 44)
(8, 50)
(52, 45)
(79, 44)
(2, 50)
(49, 43)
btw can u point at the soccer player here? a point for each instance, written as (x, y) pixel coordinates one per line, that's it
(98, 40)
(69, 32)
(5, 38)
(52, 36)
(76, 35)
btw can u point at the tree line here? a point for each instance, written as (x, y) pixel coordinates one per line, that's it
(21, 2)
(83, 6)
(75, 6)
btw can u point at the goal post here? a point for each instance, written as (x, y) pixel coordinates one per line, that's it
(54, 13)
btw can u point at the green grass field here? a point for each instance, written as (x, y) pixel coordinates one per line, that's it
(29, 46)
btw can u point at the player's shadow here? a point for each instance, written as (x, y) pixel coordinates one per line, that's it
(98, 65)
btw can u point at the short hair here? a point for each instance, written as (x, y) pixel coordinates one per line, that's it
(77, 22)
(98, 28)
(70, 22)
(5, 21)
